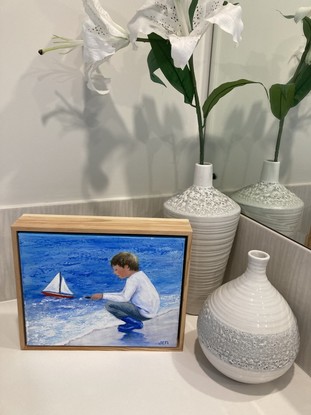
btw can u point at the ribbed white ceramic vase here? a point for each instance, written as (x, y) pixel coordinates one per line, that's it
(246, 329)
(214, 218)
(270, 202)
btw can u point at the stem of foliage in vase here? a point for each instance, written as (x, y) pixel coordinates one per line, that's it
(278, 141)
(198, 112)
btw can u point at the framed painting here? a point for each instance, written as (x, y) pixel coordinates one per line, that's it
(102, 283)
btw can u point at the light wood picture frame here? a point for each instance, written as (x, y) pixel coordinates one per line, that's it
(77, 287)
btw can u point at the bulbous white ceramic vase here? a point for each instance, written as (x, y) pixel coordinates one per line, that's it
(246, 329)
(214, 218)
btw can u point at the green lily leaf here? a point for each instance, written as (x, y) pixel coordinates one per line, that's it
(302, 83)
(302, 75)
(192, 7)
(160, 58)
(221, 91)
(306, 24)
(153, 66)
(282, 98)
(303, 80)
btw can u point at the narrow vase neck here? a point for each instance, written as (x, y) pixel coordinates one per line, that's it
(203, 175)
(257, 263)
(270, 171)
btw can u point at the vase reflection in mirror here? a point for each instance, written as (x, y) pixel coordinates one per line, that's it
(270, 202)
(214, 218)
(246, 329)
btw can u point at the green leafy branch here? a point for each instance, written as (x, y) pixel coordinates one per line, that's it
(184, 81)
(283, 97)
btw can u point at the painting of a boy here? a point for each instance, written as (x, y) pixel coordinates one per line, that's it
(138, 301)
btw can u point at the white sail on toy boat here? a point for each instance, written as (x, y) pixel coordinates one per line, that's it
(58, 288)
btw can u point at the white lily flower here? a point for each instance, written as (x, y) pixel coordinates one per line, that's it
(102, 38)
(170, 20)
(301, 13)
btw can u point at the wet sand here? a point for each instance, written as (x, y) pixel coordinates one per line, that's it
(161, 331)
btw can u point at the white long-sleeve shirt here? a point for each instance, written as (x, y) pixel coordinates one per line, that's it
(140, 291)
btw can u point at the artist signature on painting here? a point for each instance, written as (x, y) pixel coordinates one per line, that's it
(164, 343)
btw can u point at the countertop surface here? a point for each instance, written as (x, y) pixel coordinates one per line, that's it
(134, 382)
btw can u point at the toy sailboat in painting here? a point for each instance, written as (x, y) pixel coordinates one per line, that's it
(58, 288)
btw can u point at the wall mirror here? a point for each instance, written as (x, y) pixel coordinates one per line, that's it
(242, 130)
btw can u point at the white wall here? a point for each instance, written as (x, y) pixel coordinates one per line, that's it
(60, 142)
(242, 130)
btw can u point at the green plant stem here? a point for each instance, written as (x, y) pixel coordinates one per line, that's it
(145, 40)
(278, 141)
(198, 111)
(197, 105)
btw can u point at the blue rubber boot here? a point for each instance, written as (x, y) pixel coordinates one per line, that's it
(130, 324)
